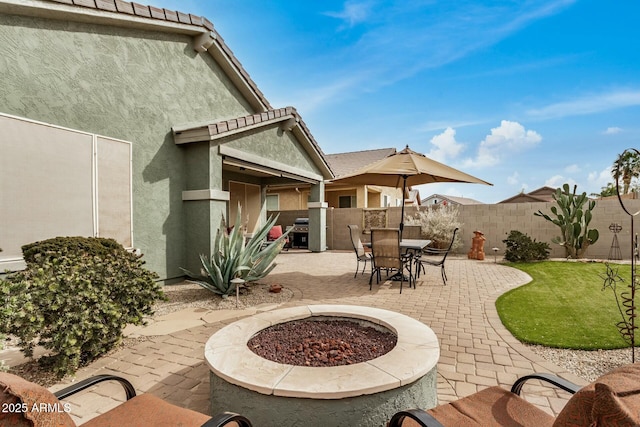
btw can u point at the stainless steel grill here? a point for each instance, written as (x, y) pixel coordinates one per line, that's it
(300, 233)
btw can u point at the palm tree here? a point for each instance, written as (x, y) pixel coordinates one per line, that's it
(626, 167)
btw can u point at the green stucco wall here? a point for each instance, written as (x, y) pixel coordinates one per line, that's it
(127, 84)
(274, 144)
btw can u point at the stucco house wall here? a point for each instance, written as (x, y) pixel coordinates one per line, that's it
(129, 81)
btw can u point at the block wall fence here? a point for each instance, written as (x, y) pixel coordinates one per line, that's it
(495, 221)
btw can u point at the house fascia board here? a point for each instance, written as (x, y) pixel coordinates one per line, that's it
(268, 166)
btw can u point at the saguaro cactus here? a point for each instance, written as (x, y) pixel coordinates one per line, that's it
(573, 221)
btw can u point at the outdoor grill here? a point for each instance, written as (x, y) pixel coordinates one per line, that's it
(300, 233)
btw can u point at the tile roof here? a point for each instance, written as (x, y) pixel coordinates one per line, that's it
(455, 199)
(344, 163)
(542, 194)
(132, 8)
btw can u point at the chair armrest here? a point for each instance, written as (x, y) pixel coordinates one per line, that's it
(84, 384)
(552, 379)
(434, 251)
(221, 419)
(418, 415)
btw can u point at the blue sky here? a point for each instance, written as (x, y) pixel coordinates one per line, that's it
(519, 93)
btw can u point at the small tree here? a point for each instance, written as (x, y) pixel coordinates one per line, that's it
(437, 224)
(573, 221)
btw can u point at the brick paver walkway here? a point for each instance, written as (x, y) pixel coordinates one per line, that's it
(476, 350)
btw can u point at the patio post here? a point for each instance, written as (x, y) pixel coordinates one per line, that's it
(317, 218)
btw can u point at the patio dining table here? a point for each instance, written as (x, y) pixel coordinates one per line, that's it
(408, 244)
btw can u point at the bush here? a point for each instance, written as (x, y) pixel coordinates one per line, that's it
(75, 298)
(520, 247)
(61, 245)
(437, 224)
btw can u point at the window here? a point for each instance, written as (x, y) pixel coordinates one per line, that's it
(273, 202)
(347, 201)
(56, 181)
(386, 201)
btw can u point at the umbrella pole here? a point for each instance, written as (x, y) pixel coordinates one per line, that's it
(404, 186)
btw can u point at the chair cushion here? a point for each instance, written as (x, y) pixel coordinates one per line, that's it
(612, 400)
(148, 410)
(43, 409)
(275, 232)
(490, 407)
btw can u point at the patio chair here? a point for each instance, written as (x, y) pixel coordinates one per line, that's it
(27, 404)
(362, 255)
(386, 254)
(440, 258)
(611, 400)
(274, 234)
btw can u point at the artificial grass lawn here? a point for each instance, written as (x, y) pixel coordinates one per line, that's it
(564, 306)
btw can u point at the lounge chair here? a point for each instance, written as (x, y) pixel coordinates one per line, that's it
(362, 256)
(611, 400)
(440, 256)
(27, 404)
(385, 250)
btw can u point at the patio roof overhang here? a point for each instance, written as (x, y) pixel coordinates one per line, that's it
(287, 119)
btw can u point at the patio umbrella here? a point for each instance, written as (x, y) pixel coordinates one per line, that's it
(406, 168)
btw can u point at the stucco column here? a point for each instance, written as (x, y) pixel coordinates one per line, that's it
(204, 202)
(317, 219)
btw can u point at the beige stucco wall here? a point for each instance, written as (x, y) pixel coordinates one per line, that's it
(496, 221)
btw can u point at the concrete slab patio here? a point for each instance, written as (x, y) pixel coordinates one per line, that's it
(476, 350)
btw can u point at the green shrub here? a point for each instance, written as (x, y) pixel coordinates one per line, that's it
(75, 298)
(520, 247)
(61, 245)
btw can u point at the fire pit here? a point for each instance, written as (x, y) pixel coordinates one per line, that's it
(361, 394)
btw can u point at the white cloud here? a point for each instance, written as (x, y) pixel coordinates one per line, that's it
(612, 130)
(513, 179)
(353, 13)
(588, 105)
(572, 168)
(446, 146)
(559, 180)
(600, 179)
(504, 140)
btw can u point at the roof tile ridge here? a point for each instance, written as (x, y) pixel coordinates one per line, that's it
(361, 151)
(227, 50)
(141, 10)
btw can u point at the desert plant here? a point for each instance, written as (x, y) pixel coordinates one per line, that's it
(521, 247)
(76, 302)
(573, 221)
(233, 258)
(437, 224)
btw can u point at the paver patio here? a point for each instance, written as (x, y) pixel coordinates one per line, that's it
(476, 350)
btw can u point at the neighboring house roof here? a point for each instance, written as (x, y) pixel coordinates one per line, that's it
(344, 163)
(413, 197)
(452, 199)
(542, 194)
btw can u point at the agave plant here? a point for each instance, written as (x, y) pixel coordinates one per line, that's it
(234, 258)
